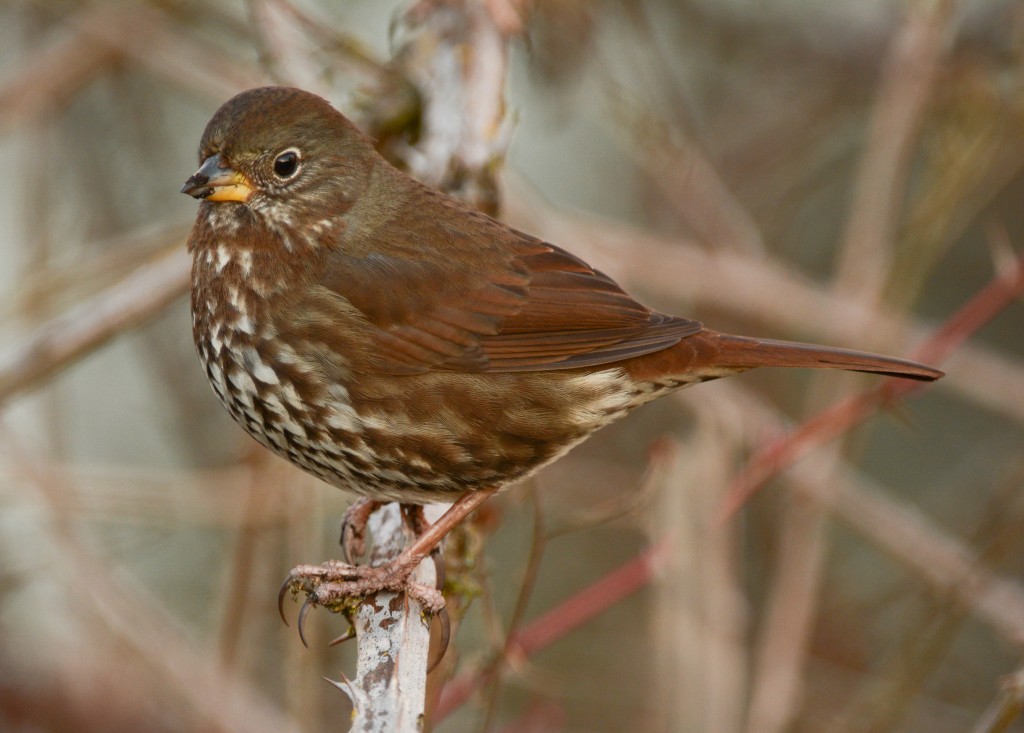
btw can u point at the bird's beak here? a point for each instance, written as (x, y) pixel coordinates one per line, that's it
(216, 182)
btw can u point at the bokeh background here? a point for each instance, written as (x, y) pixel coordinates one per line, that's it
(849, 172)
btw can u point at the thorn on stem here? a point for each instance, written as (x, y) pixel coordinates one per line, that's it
(350, 634)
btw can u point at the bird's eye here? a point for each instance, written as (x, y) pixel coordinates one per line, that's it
(286, 164)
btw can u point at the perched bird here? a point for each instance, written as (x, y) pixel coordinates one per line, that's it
(398, 344)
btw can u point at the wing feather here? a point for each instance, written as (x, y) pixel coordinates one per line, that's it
(484, 297)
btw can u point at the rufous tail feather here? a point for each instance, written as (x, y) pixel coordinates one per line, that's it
(710, 354)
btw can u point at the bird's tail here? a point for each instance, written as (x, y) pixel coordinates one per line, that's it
(744, 352)
(709, 354)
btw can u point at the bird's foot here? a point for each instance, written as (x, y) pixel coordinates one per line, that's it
(341, 587)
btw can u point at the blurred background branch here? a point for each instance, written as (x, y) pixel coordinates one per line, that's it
(848, 172)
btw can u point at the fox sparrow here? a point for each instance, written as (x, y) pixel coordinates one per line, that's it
(396, 343)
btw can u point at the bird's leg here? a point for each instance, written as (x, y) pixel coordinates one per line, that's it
(353, 528)
(340, 586)
(416, 518)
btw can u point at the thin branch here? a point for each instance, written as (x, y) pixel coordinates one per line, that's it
(96, 39)
(1006, 708)
(84, 328)
(900, 530)
(884, 702)
(844, 415)
(286, 46)
(911, 66)
(700, 620)
(150, 40)
(55, 74)
(626, 503)
(921, 546)
(567, 616)
(538, 545)
(223, 699)
(682, 172)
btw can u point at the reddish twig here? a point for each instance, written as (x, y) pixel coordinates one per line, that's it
(562, 619)
(538, 545)
(847, 413)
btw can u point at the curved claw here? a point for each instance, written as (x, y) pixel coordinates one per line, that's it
(353, 528)
(446, 635)
(301, 623)
(345, 528)
(439, 568)
(285, 587)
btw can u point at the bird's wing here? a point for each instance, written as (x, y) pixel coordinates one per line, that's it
(478, 296)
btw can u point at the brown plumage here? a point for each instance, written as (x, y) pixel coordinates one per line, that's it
(399, 344)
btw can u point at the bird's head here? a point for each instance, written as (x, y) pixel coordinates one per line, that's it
(279, 151)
